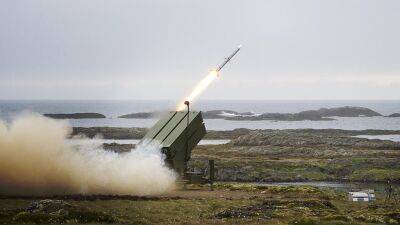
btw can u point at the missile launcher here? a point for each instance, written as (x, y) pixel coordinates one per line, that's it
(177, 133)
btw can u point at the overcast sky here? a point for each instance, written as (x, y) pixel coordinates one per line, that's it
(144, 49)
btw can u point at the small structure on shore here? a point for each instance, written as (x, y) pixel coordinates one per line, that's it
(362, 196)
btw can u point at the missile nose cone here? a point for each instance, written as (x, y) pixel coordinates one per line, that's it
(239, 46)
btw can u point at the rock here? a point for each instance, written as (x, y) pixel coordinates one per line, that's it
(223, 114)
(110, 132)
(269, 208)
(314, 115)
(76, 116)
(394, 115)
(118, 148)
(226, 134)
(141, 115)
(48, 206)
(282, 117)
(59, 212)
(213, 114)
(138, 133)
(346, 111)
(295, 138)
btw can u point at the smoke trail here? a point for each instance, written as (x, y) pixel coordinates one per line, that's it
(36, 160)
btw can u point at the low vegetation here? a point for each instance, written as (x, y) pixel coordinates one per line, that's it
(273, 160)
(229, 203)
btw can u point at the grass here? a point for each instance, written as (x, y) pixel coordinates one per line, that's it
(246, 203)
(235, 204)
(285, 164)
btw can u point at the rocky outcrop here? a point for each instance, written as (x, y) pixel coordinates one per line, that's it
(138, 133)
(295, 138)
(303, 159)
(213, 114)
(141, 115)
(110, 132)
(75, 115)
(224, 114)
(322, 114)
(347, 111)
(394, 115)
(226, 134)
(315, 115)
(282, 117)
(118, 148)
(50, 211)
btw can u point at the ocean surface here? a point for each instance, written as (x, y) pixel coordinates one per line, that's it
(343, 186)
(9, 109)
(394, 137)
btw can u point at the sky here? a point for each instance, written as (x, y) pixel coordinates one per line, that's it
(147, 49)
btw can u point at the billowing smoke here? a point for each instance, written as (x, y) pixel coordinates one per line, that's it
(36, 160)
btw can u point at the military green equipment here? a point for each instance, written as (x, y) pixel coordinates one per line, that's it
(212, 173)
(178, 132)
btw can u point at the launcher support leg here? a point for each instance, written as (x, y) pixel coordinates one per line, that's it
(211, 165)
(187, 103)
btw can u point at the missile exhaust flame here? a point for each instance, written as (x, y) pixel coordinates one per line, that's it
(200, 87)
(203, 84)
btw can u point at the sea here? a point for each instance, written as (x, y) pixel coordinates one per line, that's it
(10, 109)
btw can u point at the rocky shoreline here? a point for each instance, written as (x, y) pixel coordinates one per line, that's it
(322, 114)
(284, 155)
(138, 133)
(75, 115)
(305, 138)
(110, 132)
(394, 115)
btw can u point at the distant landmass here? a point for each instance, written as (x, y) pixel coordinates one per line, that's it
(394, 115)
(321, 114)
(75, 115)
(141, 115)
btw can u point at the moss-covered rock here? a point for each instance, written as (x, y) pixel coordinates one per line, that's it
(54, 212)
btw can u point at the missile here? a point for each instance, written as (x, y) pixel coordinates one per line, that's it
(228, 59)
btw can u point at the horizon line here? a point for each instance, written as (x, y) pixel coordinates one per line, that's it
(200, 100)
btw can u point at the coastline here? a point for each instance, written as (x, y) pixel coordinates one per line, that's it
(295, 155)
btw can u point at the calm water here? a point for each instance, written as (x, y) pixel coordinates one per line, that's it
(350, 186)
(113, 109)
(381, 137)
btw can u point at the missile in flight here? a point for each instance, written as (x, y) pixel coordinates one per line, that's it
(203, 84)
(227, 59)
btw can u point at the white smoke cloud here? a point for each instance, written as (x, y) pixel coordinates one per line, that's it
(35, 159)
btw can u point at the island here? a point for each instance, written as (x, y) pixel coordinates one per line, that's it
(394, 115)
(322, 114)
(75, 115)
